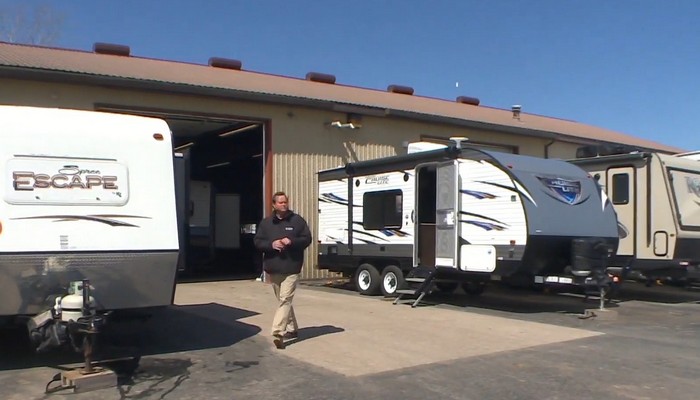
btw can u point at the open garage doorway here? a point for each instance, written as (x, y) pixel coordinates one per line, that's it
(220, 165)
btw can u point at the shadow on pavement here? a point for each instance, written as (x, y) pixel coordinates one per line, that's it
(658, 293)
(311, 332)
(520, 300)
(167, 330)
(215, 276)
(525, 300)
(495, 297)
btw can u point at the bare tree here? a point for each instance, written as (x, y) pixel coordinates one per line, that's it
(40, 25)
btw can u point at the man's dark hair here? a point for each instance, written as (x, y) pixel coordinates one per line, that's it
(279, 194)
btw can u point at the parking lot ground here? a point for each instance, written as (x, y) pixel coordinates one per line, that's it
(507, 344)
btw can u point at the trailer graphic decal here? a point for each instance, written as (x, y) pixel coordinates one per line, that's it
(564, 190)
(332, 198)
(484, 225)
(337, 240)
(489, 226)
(622, 230)
(517, 189)
(377, 180)
(387, 232)
(394, 232)
(61, 180)
(354, 231)
(104, 219)
(477, 194)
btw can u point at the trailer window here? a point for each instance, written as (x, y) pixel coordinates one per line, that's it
(621, 188)
(382, 209)
(685, 186)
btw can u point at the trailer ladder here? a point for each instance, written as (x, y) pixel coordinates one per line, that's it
(421, 279)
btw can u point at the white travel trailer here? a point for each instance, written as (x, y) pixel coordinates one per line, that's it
(657, 200)
(85, 196)
(692, 155)
(466, 214)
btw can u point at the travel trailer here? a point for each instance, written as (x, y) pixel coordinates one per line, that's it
(692, 155)
(88, 198)
(657, 200)
(465, 214)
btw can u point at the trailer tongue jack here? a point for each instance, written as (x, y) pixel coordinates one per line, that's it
(602, 282)
(74, 321)
(588, 270)
(83, 335)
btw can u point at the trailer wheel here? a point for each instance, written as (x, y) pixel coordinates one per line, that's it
(392, 279)
(367, 279)
(446, 287)
(473, 288)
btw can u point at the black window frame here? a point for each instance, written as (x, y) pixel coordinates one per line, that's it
(620, 188)
(381, 211)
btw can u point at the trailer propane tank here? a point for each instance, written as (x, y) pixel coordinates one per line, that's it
(73, 305)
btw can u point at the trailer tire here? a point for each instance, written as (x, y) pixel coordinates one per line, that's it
(446, 287)
(473, 288)
(392, 280)
(367, 280)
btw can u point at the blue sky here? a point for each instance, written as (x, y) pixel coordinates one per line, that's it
(630, 66)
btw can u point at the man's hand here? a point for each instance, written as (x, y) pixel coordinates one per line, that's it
(278, 245)
(281, 244)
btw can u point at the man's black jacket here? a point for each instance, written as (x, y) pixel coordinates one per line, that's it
(289, 260)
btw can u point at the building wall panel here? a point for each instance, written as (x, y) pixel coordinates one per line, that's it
(303, 139)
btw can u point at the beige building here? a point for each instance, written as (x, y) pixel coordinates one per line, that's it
(250, 133)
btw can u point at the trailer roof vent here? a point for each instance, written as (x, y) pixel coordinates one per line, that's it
(400, 89)
(112, 49)
(468, 100)
(225, 63)
(320, 77)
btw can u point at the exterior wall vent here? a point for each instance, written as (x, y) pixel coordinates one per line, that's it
(320, 77)
(400, 89)
(225, 63)
(111, 49)
(468, 100)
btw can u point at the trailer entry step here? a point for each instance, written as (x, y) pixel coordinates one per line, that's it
(421, 282)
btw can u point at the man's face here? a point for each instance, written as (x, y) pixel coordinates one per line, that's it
(281, 205)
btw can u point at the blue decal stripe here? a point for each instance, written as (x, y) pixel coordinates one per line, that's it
(392, 232)
(510, 188)
(485, 225)
(477, 194)
(565, 190)
(483, 217)
(368, 234)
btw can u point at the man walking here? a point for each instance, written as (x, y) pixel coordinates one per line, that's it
(282, 237)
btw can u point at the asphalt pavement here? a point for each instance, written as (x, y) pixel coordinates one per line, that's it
(505, 344)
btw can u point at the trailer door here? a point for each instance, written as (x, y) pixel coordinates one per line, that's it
(620, 187)
(446, 217)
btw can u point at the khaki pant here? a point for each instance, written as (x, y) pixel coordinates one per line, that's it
(284, 287)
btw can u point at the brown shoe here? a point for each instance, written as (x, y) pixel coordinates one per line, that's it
(291, 335)
(278, 341)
